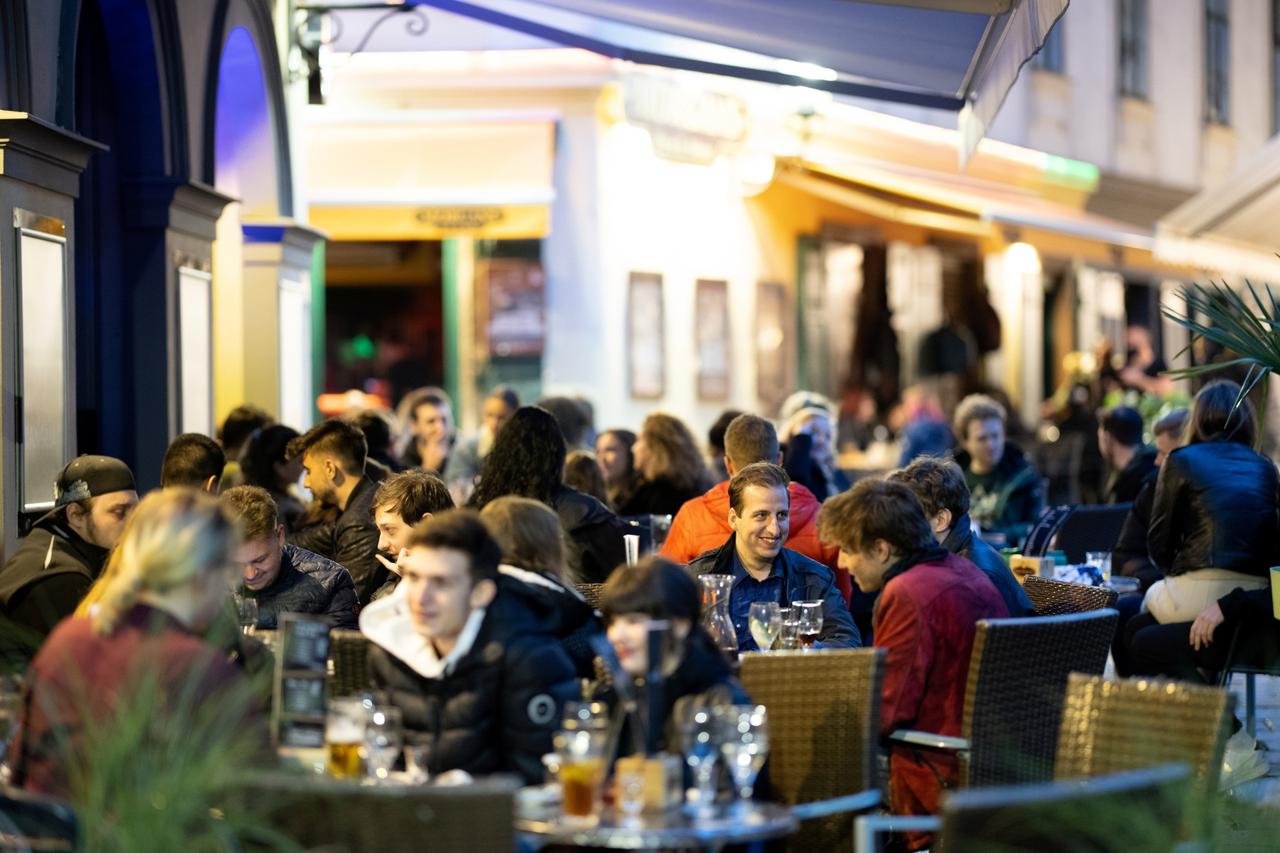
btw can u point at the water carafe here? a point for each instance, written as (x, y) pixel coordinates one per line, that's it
(715, 612)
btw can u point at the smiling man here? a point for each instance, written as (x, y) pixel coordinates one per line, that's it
(764, 570)
(401, 502)
(285, 578)
(467, 656)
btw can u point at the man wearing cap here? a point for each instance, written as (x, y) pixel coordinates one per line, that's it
(59, 560)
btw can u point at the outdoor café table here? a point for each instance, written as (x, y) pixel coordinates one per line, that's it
(541, 825)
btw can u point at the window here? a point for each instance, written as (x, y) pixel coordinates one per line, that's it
(1133, 48)
(1217, 62)
(1050, 56)
(1275, 66)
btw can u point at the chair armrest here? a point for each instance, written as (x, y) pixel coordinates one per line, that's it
(929, 739)
(866, 828)
(860, 802)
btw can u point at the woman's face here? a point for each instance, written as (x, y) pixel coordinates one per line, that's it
(611, 456)
(629, 635)
(432, 423)
(640, 455)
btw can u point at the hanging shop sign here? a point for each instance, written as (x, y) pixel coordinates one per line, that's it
(684, 123)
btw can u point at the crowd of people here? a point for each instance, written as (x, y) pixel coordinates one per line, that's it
(460, 558)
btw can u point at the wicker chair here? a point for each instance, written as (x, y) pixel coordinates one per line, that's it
(346, 817)
(591, 592)
(1135, 812)
(1054, 598)
(349, 654)
(824, 727)
(1113, 726)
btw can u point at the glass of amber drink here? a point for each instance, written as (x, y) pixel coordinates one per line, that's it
(582, 768)
(343, 737)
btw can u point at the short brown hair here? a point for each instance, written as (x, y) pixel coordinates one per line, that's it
(1171, 424)
(749, 439)
(461, 530)
(339, 439)
(254, 508)
(412, 494)
(872, 510)
(1216, 417)
(656, 587)
(977, 407)
(938, 483)
(764, 474)
(528, 532)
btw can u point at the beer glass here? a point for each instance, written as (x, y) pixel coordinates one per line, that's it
(343, 737)
(582, 766)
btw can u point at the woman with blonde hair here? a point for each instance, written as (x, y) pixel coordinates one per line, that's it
(534, 569)
(141, 633)
(668, 459)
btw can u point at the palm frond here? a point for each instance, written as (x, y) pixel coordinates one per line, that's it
(1247, 325)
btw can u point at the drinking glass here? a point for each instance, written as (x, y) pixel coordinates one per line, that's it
(744, 734)
(343, 735)
(630, 783)
(248, 611)
(765, 622)
(789, 635)
(700, 740)
(1100, 560)
(810, 622)
(582, 765)
(383, 740)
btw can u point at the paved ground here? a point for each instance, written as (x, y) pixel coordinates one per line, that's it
(1257, 831)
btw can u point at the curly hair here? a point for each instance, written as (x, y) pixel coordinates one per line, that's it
(527, 459)
(673, 453)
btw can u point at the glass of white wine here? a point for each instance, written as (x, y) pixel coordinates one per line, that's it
(765, 622)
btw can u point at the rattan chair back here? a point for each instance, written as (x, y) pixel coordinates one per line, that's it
(1053, 598)
(1017, 681)
(1136, 812)
(349, 654)
(1113, 726)
(591, 592)
(346, 817)
(824, 730)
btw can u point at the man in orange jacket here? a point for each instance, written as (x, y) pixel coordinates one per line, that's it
(703, 523)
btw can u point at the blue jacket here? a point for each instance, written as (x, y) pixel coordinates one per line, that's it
(308, 583)
(961, 542)
(806, 580)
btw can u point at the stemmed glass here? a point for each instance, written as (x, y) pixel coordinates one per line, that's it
(810, 622)
(383, 741)
(744, 735)
(765, 622)
(699, 736)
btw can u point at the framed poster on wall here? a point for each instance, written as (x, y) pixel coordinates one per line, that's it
(646, 345)
(713, 342)
(775, 378)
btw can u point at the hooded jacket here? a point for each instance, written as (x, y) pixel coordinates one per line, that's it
(308, 583)
(492, 703)
(46, 578)
(961, 542)
(1012, 500)
(703, 524)
(806, 580)
(595, 533)
(568, 616)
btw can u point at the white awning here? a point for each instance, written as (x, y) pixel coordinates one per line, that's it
(956, 55)
(1230, 228)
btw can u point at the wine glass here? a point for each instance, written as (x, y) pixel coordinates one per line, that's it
(383, 741)
(744, 735)
(810, 622)
(699, 737)
(765, 622)
(247, 609)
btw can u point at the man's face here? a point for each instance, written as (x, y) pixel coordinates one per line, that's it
(103, 524)
(611, 456)
(432, 423)
(1166, 444)
(495, 413)
(867, 568)
(984, 441)
(259, 560)
(764, 522)
(393, 531)
(319, 472)
(439, 590)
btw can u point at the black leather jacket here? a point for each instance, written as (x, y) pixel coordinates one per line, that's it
(351, 540)
(1215, 507)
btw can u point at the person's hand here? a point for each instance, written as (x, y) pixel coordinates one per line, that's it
(394, 568)
(1202, 629)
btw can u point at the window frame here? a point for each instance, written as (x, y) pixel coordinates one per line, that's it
(1217, 63)
(1132, 67)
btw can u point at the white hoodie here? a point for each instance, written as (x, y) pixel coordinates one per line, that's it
(388, 623)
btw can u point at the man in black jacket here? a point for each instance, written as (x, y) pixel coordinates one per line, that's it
(193, 461)
(1132, 463)
(467, 656)
(55, 565)
(1006, 495)
(285, 578)
(939, 484)
(333, 455)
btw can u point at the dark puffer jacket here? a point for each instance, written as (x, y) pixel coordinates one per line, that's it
(308, 583)
(493, 705)
(594, 532)
(961, 542)
(568, 616)
(1215, 507)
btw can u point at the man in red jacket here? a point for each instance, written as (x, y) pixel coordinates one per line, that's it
(702, 524)
(930, 602)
